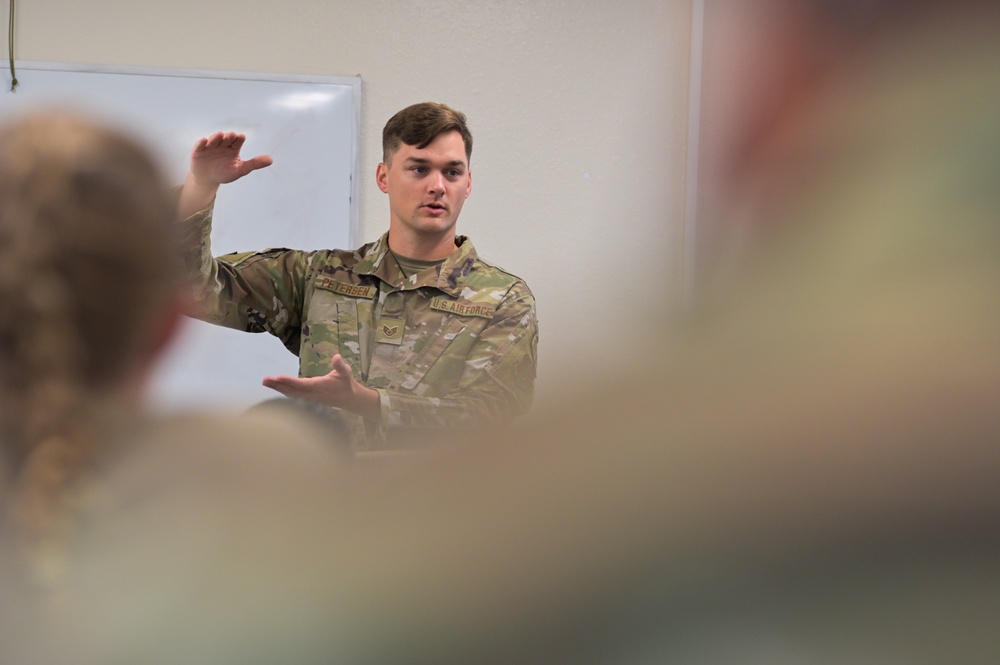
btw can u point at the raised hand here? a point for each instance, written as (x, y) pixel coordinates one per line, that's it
(215, 160)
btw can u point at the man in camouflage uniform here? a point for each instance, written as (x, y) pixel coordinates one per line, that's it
(408, 334)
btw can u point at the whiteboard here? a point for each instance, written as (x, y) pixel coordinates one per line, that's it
(307, 199)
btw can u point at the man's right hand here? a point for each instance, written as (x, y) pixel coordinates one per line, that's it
(215, 160)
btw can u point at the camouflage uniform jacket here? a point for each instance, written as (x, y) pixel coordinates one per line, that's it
(451, 346)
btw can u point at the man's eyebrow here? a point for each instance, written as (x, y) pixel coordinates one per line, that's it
(424, 160)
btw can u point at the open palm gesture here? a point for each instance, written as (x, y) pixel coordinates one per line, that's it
(215, 160)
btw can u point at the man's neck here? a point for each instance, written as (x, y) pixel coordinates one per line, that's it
(430, 249)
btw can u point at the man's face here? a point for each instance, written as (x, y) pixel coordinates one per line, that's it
(427, 188)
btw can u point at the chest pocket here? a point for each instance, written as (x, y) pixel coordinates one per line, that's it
(354, 320)
(432, 363)
(434, 351)
(336, 323)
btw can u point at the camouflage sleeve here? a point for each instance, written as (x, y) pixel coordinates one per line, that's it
(497, 383)
(252, 291)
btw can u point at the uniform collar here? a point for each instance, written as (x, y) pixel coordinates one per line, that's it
(448, 277)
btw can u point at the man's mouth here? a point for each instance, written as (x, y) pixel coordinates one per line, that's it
(434, 207)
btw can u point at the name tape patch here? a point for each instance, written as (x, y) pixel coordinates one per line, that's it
(462, 309)
(344, 289)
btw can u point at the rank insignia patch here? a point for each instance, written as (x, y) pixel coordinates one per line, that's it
(390, 331)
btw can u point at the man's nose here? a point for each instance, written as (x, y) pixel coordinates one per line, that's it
(436, 182)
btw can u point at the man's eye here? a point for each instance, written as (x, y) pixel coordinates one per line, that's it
(419, 169)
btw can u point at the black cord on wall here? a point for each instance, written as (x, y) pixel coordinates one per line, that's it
(10, 44)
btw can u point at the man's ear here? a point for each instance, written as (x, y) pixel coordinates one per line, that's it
(468, 187)
(382, 177)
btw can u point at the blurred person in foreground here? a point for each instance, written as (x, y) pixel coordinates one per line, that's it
(806, 469)
(123, 537)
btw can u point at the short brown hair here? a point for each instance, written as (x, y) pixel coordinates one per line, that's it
(418, 125)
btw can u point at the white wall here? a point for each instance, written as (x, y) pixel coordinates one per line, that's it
(578, 108)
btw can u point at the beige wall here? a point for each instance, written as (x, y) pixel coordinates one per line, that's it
(578, 107)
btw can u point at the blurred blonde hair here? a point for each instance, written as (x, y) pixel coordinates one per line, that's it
(87, 268)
